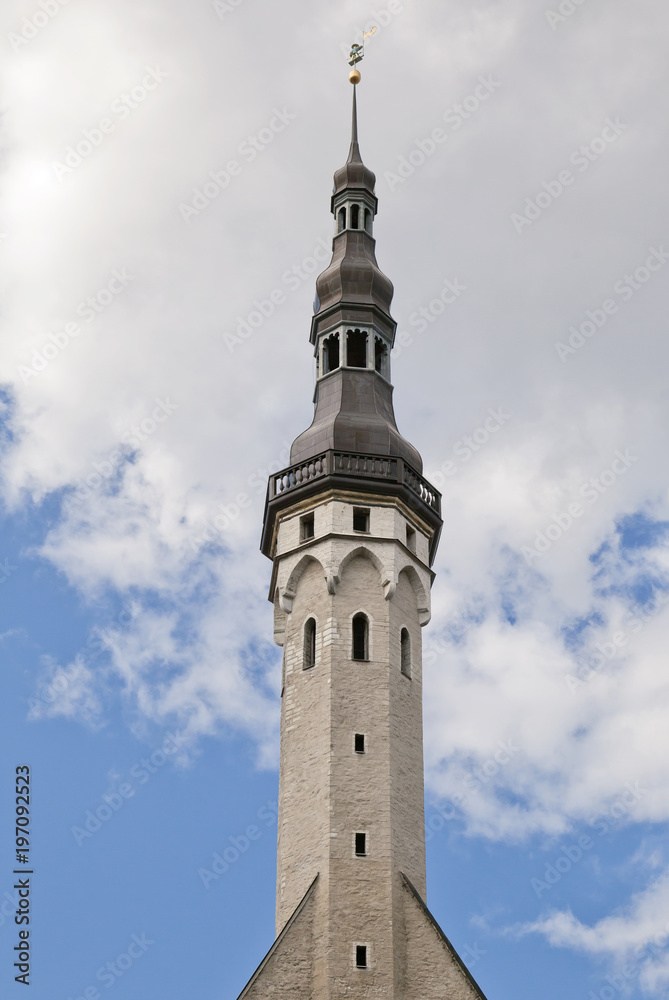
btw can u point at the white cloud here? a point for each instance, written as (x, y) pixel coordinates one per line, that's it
(634, 938)
(68, 691)
(141, 531)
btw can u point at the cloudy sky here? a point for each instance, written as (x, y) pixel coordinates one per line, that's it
(164, 203)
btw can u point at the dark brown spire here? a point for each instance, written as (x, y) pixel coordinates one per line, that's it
(353, 441)
(353, 276)
(354, 410)
(354, 174)
(354, 152)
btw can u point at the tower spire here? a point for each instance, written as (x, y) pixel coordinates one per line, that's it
(353, 333)
(354, 122)
(356, 56)
(354, 151)
(351, 528)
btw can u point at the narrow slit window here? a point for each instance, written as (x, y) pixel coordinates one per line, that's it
(359, 742)
(360, 637)
(361, 956)
(341, 220)
(360, 845)
(309, 643)
(361, 519)
(306, 527)
(356, 349)
(405, 652)
(411, 538)
(355, 217)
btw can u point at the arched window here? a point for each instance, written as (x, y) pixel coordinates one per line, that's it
(368, 221)
(405, 652)
(309, 643)
(355, 216)
(360, 637)
(330, 353)
(341, 220)
(381, 357)
(356, 349)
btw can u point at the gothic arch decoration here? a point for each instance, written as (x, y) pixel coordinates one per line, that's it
(383, 571)
(422, 599)
(287, 595)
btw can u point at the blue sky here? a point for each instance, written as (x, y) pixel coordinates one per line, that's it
(164, 198)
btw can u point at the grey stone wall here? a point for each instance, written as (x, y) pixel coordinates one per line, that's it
(327, 791)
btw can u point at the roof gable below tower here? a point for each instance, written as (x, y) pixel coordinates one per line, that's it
(430, 967)
(285, 972)
(433, 968)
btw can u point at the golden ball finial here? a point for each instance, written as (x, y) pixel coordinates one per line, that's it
(354, 76)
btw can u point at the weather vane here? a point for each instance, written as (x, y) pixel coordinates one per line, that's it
(357, 55)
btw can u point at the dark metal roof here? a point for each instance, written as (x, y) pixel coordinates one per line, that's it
(354, 413)
(354, 417)
(354, 407)
(354, 173)
(353, 276)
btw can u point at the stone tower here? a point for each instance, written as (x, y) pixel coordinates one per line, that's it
(352, 528)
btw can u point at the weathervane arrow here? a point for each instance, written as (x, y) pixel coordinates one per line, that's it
(357, 54)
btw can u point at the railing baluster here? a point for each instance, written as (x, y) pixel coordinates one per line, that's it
(365, 466)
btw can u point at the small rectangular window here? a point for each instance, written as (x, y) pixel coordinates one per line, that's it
(361, 844)
(306, 527)
(361, 519)
(411, 539)
(361, 956)
(359, 743)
